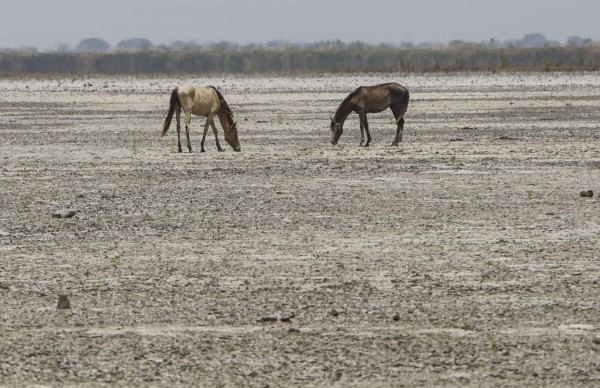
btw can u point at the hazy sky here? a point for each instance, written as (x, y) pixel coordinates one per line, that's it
(48, 23)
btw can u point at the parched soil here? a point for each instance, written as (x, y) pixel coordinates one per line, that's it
(464, 257)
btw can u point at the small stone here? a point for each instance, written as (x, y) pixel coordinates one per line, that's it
(588, 193)
(293, 330)
(64, 213)
(396, 317)
(334, 313)
(63, 302)
(268, 319)
(337, 375)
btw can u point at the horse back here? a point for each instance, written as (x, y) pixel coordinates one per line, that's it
(201, 101)
(377, 98)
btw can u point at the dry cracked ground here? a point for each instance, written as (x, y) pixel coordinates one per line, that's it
(464, 257)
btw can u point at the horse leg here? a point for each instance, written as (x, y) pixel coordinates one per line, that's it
(214, 128)
(188, 119)
(399, 131)
(399, 116)
(204, 134)
(366, 124)
(178, 117)
(362, 127)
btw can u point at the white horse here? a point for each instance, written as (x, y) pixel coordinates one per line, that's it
(201, 101)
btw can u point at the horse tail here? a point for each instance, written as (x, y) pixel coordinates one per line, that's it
(172, 105)
(403, 95)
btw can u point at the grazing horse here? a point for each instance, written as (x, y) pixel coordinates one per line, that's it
(201, 101)
(371, 99)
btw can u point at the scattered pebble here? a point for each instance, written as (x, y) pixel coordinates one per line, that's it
(337, 375)
(63, 302)
(334, 313)
(64, 213)
(396, 317)
(268, 319)
(588, 193)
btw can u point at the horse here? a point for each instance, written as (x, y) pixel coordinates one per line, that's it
(371, 99)
(201, 101)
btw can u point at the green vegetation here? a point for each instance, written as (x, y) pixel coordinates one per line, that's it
(529, 194)
(115, 260)
(291, 59)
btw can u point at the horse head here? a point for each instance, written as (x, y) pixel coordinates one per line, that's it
(336, 131)
(231, 137)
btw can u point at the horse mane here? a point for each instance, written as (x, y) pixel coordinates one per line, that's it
(346, 101)
(225, 107)
(351, 95)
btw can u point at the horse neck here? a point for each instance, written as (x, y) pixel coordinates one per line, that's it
(342, 112)
(226, 121)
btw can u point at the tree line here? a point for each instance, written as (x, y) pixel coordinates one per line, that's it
(294, 59)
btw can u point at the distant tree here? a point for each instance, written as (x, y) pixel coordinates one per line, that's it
(457, 43)
(92, 45)
(28, 49)
(134, 44)
(578, 41)
(535, 40)
(224, 46)
(62, 48)
(357, 45)
(178, 45)
(278, 43)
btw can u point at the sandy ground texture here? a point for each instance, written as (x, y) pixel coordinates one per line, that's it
(464, 257)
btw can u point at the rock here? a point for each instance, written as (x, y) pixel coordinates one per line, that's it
(588, 193)
(268, 319)
(334, 313)
(63, 302)
(396, 317)
(337, 375)
(64, 213)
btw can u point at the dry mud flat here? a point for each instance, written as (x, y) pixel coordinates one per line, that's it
(466, 256)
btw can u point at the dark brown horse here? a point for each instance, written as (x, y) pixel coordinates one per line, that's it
(201, 101)
(371, 99)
